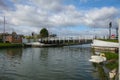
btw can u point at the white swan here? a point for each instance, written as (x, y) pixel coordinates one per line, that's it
(98, 59)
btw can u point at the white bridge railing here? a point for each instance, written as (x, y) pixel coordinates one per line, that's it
(66, 38)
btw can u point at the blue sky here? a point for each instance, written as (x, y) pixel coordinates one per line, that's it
(62, 17)
(87, 4)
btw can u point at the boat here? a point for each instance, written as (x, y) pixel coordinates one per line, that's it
(34, 44)
(98, 58)
(39, 44)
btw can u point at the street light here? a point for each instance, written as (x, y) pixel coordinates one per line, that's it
(110, 25)
(116, 32)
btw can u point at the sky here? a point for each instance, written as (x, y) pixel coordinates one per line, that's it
(61, 17)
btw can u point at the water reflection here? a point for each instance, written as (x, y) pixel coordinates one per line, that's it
(10, 59)
(14, 52)
(44, 53)
(64, 63)
(99, 69)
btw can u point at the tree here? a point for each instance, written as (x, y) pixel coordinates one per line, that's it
(14, 33)
(44, 33)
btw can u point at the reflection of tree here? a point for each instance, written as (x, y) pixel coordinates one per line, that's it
(14, 52)
(101, 72)
(94, 64)
(44, 53)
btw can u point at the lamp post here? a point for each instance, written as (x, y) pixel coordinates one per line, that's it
(110, 25)
(116, 32)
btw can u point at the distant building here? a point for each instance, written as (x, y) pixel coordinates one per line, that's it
(11, 38)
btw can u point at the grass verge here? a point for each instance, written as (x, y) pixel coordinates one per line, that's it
(112, 59)
(7, 45)
(110, 40)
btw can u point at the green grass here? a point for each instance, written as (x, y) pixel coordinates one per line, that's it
(110, 55)
(6, 45)
(114, 60)
(110, 40)
(112, 65)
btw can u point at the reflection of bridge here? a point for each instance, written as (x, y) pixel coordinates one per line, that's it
(66, 40)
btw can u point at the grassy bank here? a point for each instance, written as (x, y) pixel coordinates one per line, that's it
(112, 60)
(7, 45)
(110, 40)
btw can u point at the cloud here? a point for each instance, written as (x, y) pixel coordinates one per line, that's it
(49, 5)
(6, 5)
(97, 17)
(3, 5)
(101, 17)
(54, 15)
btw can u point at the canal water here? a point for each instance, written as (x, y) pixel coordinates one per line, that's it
(61, 63)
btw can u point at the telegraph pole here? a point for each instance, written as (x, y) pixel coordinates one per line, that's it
(4, 25)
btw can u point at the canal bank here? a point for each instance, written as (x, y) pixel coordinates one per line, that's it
(10, 45)
(111, 66)
(105, 45)
(110, 49)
